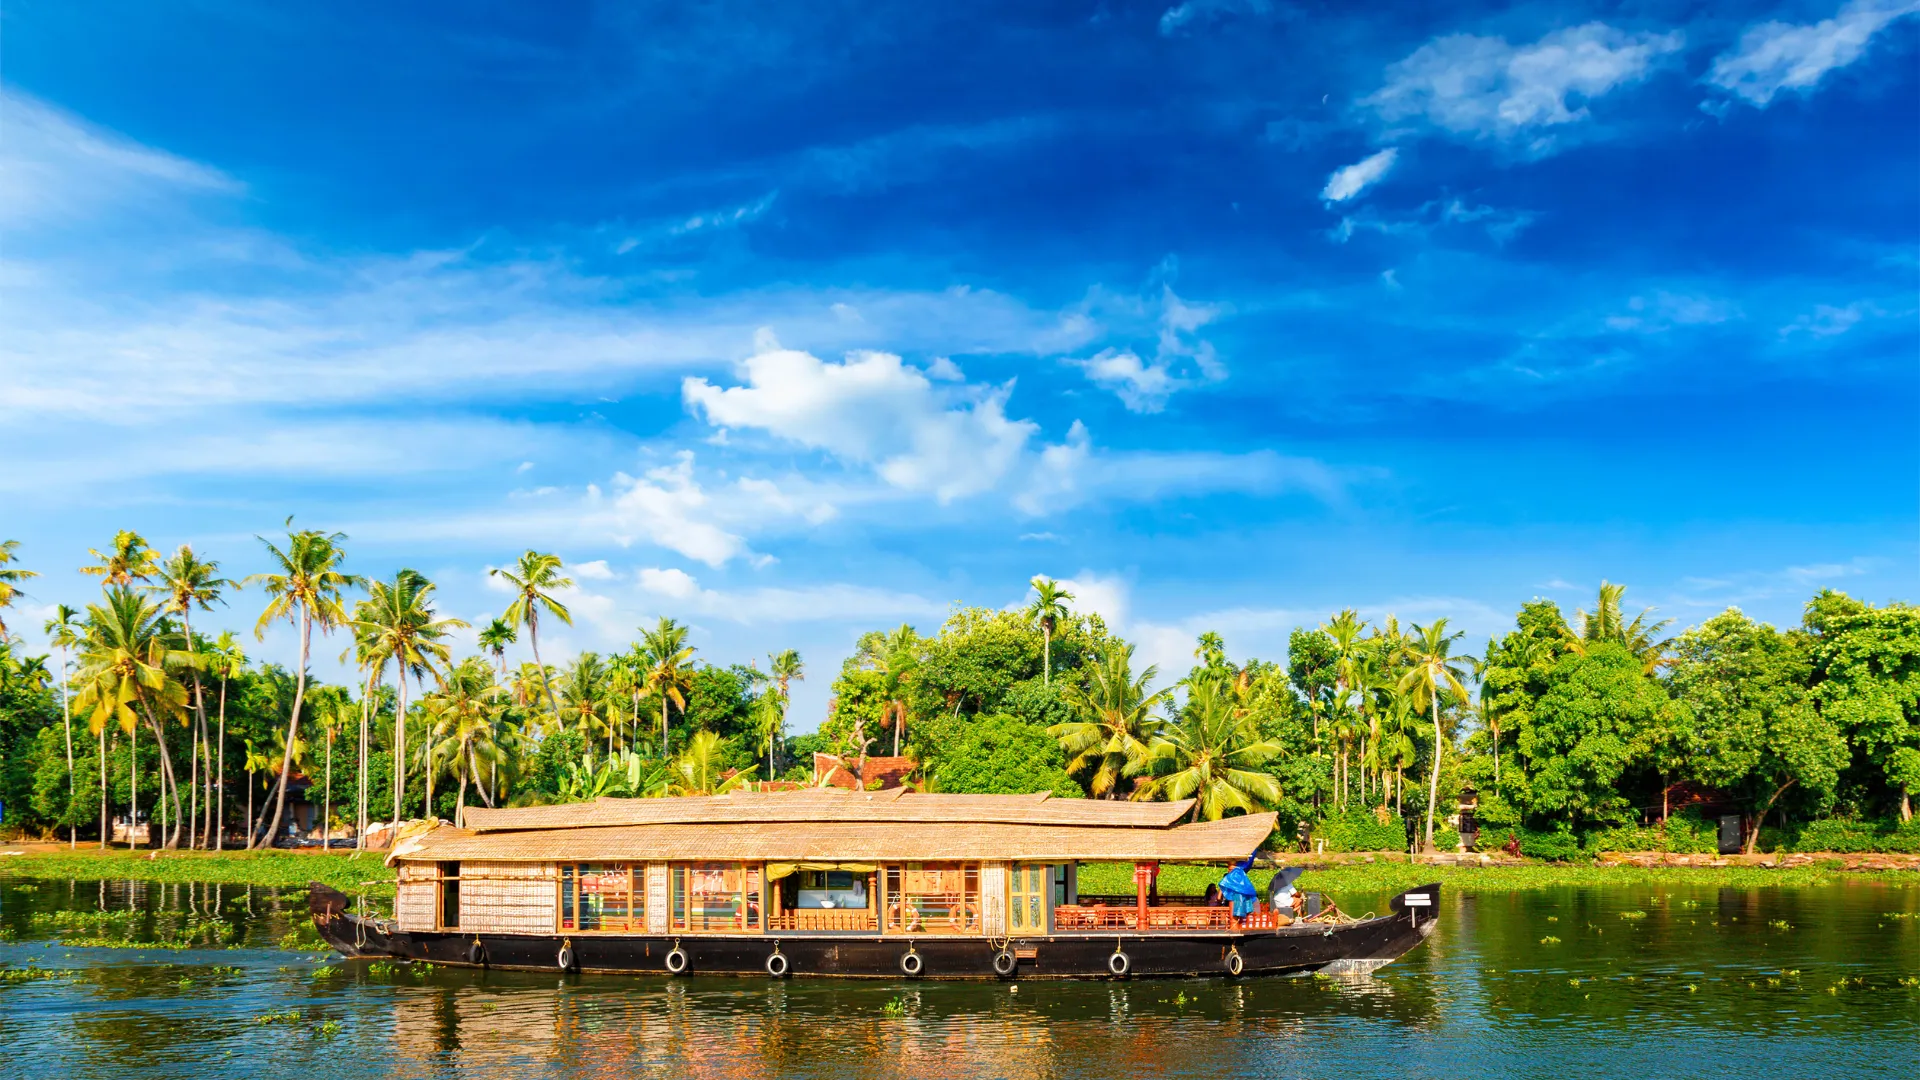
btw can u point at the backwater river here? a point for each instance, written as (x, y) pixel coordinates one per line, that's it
(1628, 981)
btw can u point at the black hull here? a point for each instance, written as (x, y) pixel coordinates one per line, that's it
(1352, 947)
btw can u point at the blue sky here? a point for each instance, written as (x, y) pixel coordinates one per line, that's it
(797, 320)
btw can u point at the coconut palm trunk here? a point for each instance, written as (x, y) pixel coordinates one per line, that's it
(133, 782)
(104, 830)
(400, 745)
(220, 788)
(366, 707)
(66, 722)
(326, 799)
(1433, 784)
(293, 731)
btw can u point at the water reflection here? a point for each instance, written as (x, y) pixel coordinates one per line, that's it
(1645, 982)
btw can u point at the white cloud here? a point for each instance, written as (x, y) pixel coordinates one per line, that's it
(1663, 311)
(58, 166)
(1485, 88)
(668, 506)
(873, 410)
(1826, 320)
(1501, 226)
(1181, 358)
(1776, 56)
(596, 570)
(1351, 180)
(671, 582)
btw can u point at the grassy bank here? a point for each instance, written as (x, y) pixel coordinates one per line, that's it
(1386, 878)
(350, 874)
(342, 871)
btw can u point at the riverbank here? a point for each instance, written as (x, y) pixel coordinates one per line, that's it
(1349, 874)
(350, 872)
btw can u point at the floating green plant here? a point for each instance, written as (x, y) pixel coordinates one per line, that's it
(1549, 940)
(895, 1008)
(1636, 914)
(284, 1016)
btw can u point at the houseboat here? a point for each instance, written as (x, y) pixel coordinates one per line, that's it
(823, 882)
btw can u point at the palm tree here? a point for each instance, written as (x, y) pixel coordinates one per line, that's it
(1397, 750)
(1048, 608)
(783, 668)
(465, 711)
(697, 770)
(1116, 730)
(10, 581)
(335, 714)
(1604, 623)
(534, 578)
(398, 621)
(64, 631)
(1434, 671)
(186, 581)
(128, 673)
(1214, 757)
(585, 698)
(667, 655)
(225, 660)
(899, 659)
(495, 638)
(131, 559)
(305, 589)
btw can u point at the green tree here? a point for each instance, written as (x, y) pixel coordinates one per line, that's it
(497, 635)
(129, 559)
(698, 769)
(1116, 729)
(1434, 672)
(66, 633)
(1004, 755)
(305, 588)
(1866, 677)
(186, 582)
(1582, 736)
(1214, 756)
(10, 579)
(129, 672)
(668, 655)
(397, 623)
(1760, 733)
(535, 578)
(1048, 608)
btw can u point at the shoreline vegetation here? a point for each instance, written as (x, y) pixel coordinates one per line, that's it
(1384, 874)
(1565, 736)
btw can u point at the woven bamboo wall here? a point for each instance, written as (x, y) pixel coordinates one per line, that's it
(993, 899)
(415, 897)
(657, 898)
(508, 898)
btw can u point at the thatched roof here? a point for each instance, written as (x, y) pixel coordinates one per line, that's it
(894, 839)
(814, 805)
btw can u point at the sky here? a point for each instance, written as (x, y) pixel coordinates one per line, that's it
(793, 321)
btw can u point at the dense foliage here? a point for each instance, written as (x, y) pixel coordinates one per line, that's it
(1577, 735)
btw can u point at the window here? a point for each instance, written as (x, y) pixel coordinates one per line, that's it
(1027, 899)
(715, 896)
(933, 898)
(603, 896)
(832, 889)
(449, 896)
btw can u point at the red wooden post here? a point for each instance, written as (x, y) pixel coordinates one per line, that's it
(1142, 880)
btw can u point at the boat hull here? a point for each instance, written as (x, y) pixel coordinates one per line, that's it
(1305, 947)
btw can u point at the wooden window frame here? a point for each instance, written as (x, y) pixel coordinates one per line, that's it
(751, 917)
(635, 920)
(893, 895)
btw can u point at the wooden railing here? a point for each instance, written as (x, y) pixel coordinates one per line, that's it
(824, 919)
(1083, 917)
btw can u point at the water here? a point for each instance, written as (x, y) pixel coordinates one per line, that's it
(1706, 983)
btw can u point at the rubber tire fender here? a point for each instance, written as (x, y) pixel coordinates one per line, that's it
(477, 954)
(912, 964)
(566, 958)
(777, 965)
(1005, 963)
(1235, 962)
(1119, 963)
(677, 961)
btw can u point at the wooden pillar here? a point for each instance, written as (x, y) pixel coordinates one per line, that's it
(1142, 881)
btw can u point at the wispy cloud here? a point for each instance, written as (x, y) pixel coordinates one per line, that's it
(1773, 57)
(1528, 96)
(1347, 182)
